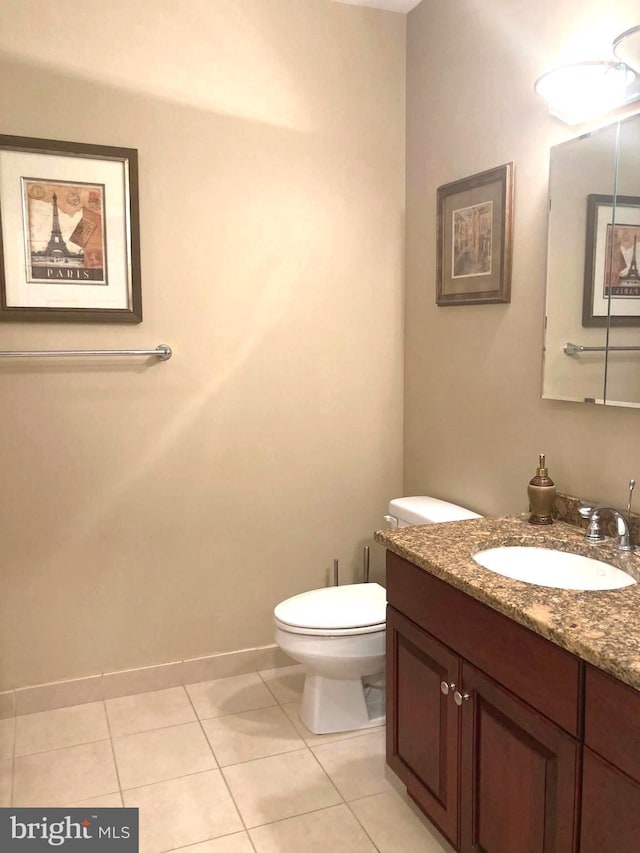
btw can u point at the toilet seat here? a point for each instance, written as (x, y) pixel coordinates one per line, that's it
(328, 632)
(335, 611)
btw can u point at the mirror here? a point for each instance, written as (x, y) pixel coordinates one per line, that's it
(622, 377)
(593, 286)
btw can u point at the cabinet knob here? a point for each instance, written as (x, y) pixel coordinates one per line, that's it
(459, 698)
(445, 687)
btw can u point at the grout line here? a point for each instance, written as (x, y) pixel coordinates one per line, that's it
(208, 742)
(171, 779)
(113, 755)
(222, 776)
(317, 760)
(92, 797)
(154, 729)
(269, 689)
(215, 838)
(359, 822)
(300, 814)
(360, 799)
(263, 757)
(235, 713)
(60, 748)
(13, 760)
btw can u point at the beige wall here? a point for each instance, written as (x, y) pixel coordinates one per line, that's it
(152, 513)
(474, 420)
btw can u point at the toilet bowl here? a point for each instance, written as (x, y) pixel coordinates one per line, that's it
(338, 635)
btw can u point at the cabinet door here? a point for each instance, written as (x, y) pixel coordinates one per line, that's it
(518, 774)
(612, 721)
(610, 808)
(423, 722)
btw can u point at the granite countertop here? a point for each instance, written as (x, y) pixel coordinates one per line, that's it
(601, 627)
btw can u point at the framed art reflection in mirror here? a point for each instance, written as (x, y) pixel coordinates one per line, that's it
(612, 276)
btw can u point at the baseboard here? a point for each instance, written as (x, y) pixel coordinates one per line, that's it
(110, 685)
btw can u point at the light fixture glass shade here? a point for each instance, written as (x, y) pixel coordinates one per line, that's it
(627, 48)
(584, 90)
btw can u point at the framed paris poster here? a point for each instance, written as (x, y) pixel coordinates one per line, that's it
(612, 261)
(69, 232)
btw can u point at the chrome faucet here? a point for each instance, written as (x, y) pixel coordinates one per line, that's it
(594, 532)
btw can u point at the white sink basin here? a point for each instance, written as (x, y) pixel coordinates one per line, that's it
(548, 567)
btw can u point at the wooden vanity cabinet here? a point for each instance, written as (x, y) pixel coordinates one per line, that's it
(424, 730)
(611, 772)
(518, 774)
(488, 768)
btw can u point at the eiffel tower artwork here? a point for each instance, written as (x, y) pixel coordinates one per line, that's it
(632, 273)
(56, 246)
(56, 261)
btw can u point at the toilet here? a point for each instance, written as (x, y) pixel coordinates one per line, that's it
(338, 635)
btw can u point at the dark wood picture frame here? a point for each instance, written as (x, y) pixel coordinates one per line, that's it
(612, 241)
(91, 273)
(475, 238)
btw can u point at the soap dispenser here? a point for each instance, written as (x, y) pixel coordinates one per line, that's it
(542, 493)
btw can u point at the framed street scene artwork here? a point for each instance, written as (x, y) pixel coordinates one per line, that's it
(475, 236)
(69, 232)
(612, 259)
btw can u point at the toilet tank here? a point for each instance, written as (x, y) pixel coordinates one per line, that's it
(421, 509)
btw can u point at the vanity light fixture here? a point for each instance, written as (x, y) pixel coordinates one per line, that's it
(581, 91)
(627, 47)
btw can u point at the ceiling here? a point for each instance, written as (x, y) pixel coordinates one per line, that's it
(390, 5)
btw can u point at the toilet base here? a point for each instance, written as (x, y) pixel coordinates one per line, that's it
(340, 705)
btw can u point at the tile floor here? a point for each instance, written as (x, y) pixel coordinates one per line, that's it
(220, 766)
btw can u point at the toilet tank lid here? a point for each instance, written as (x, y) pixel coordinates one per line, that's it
(422, 509)
(336, 607)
